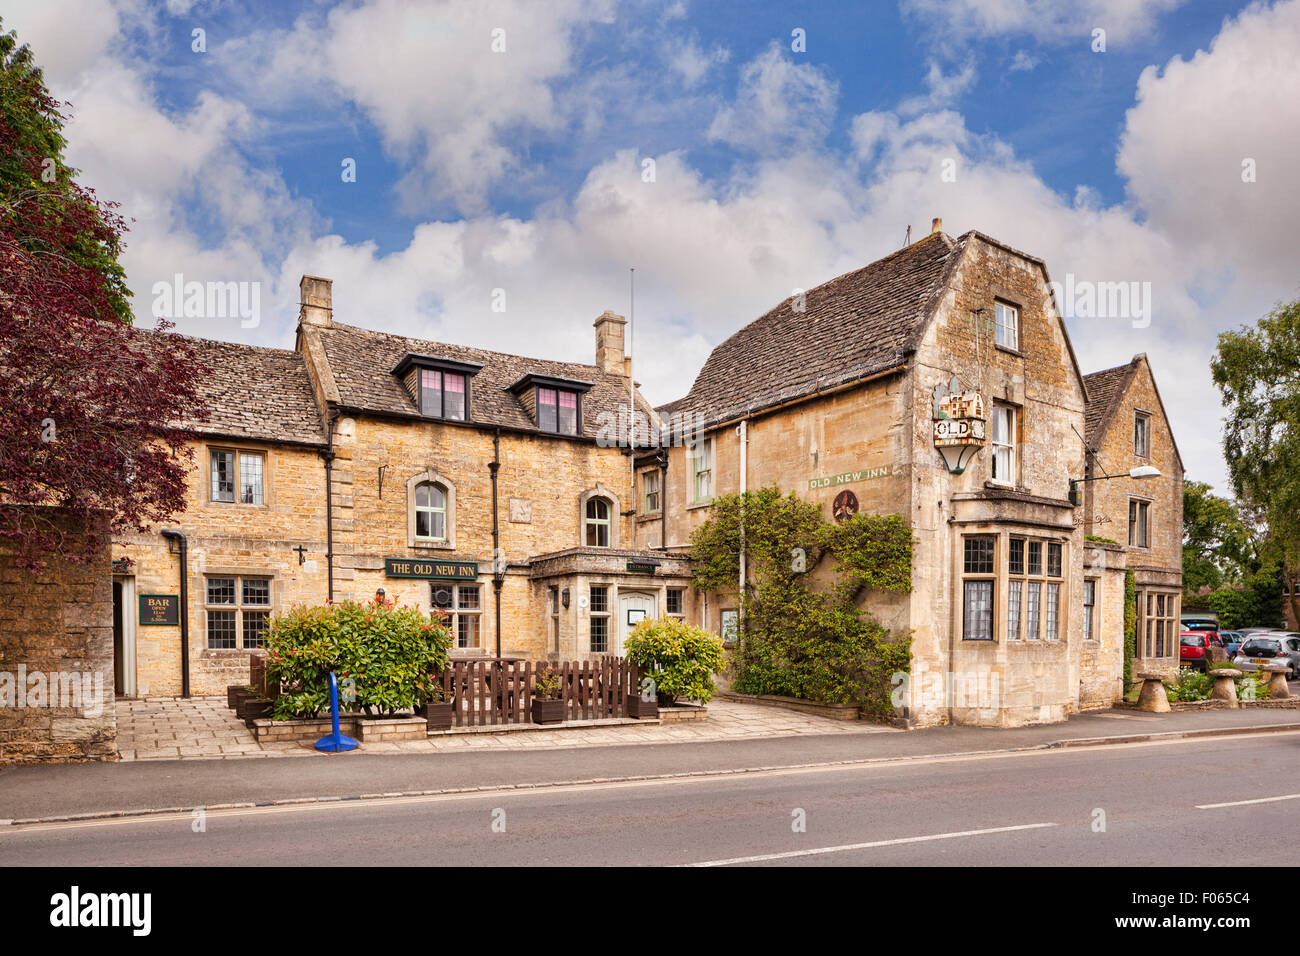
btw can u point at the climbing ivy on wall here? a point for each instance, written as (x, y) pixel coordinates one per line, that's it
(798, 640)
(1130, 626)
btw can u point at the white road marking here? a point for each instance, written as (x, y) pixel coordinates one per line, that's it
(791, 854)
(1243, 803)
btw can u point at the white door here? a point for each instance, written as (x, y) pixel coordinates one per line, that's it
(633, 607)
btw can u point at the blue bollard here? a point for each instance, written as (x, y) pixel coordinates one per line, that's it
(335, 742)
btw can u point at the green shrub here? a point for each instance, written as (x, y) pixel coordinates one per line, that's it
(1252, 686)
(385, 654)
(1191, 685)
(680, 658)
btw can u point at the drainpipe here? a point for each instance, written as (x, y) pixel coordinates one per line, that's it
(182, 549)
(498, 565)
(328, 455)
(743, 430)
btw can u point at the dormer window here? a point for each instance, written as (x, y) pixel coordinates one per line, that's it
(439, 386)
(442, 394)
(557, 411)
(554, 403)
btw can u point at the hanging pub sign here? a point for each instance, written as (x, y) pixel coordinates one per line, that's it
(158, 609)
(959, 426)
(436, 570)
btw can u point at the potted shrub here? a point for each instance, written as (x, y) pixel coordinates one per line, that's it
(547, 708)
(437, 710)
(680, 658)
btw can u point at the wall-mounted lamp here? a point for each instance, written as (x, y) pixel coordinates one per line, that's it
(379, 595)
(564, 597)
(1076, 484)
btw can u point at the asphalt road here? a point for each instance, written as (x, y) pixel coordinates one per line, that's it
(1037, 808)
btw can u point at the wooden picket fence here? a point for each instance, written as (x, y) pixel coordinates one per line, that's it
(484, 692)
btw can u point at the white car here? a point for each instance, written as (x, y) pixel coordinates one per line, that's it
(1260, 650)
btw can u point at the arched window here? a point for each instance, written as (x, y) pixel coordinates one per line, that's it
(597, 523)
(430, 511)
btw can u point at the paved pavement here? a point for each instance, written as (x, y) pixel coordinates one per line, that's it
(1140, 804)
(69, 789)
(171, 728)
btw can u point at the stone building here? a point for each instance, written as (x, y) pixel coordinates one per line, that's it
(1134, 524)
(938, 383)
(363, 463)
(844, 394)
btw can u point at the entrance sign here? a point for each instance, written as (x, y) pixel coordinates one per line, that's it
(438, 570)
(642, 567)
(158, 609)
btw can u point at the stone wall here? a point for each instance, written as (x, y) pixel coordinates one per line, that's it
(229, 539)
(56, 658)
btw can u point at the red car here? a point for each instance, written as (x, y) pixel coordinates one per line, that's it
(1194, 645)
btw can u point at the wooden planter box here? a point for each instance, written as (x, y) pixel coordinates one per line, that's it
(235, 696)
(548, 711)
(437, 716)
(641, 709)
(253, 708)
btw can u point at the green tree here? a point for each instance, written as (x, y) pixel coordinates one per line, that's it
(1217, 544)
(1257, 371)
(38, 188)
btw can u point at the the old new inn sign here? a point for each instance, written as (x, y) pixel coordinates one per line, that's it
(444, 570)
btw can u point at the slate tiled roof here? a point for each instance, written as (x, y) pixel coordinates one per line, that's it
(1105, 390)
(252, 392)
(362, 361)
(863, 322)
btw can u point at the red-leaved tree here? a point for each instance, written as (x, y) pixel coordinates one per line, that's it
(90, 406)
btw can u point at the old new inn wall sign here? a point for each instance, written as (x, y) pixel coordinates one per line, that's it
(959, 431)
(440, 570)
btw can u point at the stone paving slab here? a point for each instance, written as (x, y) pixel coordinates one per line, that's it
(204, 728)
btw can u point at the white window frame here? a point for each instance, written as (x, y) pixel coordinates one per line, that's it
(607, 615)
(431, 510)
(460, 610)
(651, 486)
(702, 455)
(1005, 421)
(1006, 322)
(588, 522)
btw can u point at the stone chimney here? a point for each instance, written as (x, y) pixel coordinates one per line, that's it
(610, 350)
(936, 225)
(315, 301)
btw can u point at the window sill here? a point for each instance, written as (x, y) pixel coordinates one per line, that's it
(419, 545)
(650, 516)
(699, 504)
(1010, 351)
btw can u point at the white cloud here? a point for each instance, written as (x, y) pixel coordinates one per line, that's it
(428, 77)
(1045, 20)
(944, 88)
(780, 105)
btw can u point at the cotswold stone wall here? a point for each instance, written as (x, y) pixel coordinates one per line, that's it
(229, 539)
(56, 659)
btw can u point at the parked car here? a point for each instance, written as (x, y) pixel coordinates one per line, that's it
(1192, 647)
(1200, 624)
(1232, 640)
(1276, 648)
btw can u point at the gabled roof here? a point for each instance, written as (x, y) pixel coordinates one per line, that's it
(861, 323)
(253, 392)
(1106, 391)
(362, 361)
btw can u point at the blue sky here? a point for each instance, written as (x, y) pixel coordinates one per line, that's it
(523, 170)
